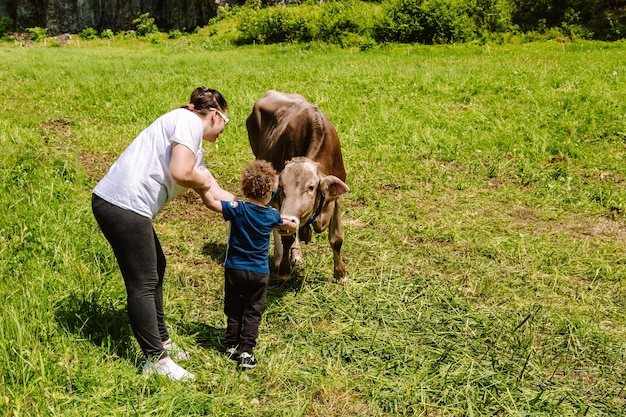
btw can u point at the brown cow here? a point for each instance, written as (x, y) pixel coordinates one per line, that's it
(303, 146)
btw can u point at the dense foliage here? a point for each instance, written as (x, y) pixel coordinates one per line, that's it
(600, 19)
(432, 21)
(442, 21)
(345, 23)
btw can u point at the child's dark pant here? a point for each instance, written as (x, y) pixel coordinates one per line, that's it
(244, 301)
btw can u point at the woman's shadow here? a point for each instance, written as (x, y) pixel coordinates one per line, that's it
(104, 321)
(95, 317)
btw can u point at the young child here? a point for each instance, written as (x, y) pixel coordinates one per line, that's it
(246, 272)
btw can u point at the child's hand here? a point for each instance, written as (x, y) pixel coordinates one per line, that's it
(288, 228)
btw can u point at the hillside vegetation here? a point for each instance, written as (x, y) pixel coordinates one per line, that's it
(366, 24)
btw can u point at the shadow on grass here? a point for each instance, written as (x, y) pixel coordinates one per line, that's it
(206, 336)
(278, 287)
(215, 251)
(94, 317)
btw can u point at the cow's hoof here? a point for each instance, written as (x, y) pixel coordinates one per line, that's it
(342, 280)
(283, 279)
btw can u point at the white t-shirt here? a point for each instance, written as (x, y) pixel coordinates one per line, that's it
(140, 179)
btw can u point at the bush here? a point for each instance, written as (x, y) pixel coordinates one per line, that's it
(174, 34)
(615, 29)
(604, 20)
(224, 12)
(107, 34)
(37, 34)
(441, 21)
(276, 24)
(493, 16)
(348, 23)
(89, 33)
(145, 25)
(400, 22)
(6, 25)
(447, 21)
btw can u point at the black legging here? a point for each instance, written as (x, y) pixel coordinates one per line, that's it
(142, 263)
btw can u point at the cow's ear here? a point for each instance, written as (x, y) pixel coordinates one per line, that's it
(333, 186)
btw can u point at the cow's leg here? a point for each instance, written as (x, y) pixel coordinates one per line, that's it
(284, 269)
(305, 234)
(335, 237)
(295, 254)
(278, 248)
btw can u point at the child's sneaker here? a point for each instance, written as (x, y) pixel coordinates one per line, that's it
(232, 353)
(246, 361)
(174, 351)
(167, 367)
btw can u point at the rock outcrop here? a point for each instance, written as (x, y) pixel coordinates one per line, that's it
(73, 16)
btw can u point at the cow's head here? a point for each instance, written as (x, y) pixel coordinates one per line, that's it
(307, 196)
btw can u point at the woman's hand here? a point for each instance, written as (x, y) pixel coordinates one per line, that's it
(209, 200)
(212, 195)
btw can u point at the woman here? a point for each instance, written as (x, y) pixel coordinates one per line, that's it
(163, 161)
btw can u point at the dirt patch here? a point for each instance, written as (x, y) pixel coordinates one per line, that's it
(524, 214)
(334, 402)
(61, 126)
(452, 165)
(604, 227)
(576, 226)
(96, 164)
(188, 206)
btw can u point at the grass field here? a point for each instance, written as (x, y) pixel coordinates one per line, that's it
(484, 233)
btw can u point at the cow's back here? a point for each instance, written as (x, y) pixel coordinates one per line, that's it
(283, 126)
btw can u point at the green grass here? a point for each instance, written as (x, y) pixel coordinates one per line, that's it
(484, 233)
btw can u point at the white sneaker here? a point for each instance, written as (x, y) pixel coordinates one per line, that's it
(167, 367)
(174, 351)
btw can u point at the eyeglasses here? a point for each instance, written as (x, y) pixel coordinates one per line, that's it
(222, 115)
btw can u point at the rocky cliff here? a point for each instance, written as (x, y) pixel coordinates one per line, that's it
(73, 16)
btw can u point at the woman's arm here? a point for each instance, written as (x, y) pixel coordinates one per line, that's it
(213, 196)
(219, 193)
(182, 169)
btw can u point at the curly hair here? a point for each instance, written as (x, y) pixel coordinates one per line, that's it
(258, 179)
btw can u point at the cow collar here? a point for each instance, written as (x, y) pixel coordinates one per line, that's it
(318, 211)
